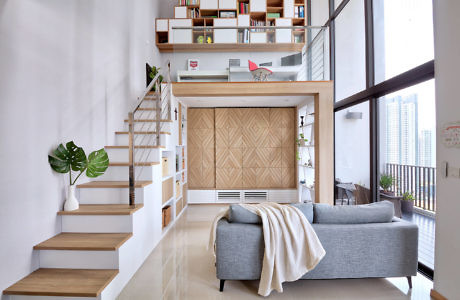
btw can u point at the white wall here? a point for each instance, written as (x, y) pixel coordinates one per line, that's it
(69, 71)
(447, 65)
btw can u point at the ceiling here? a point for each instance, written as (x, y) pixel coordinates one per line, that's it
(241, 101)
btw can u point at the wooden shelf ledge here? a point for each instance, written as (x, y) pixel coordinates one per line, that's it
(85, 241)
(112, 184)
(267, 47)
(138, 164)
(150, 120)
(103, 210)
(63, 283)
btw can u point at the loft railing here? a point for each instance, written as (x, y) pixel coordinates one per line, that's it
(145, 127)
(264, 45)
(418, 181)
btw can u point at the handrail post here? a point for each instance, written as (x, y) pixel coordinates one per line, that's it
(158, 107)
(132, 193)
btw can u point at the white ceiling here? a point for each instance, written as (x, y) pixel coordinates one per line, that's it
(254, 101)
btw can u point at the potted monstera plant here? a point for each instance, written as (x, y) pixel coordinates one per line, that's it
(71, 158)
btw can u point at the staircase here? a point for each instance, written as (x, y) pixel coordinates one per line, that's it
(105, 241)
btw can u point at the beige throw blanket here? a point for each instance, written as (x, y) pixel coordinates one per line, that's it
(292, 247)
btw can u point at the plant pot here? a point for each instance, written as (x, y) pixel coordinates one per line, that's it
(389, 193)
(71, 203)
(407, 206)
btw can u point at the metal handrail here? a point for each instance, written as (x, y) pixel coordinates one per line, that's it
(249, 27)
(131, 132)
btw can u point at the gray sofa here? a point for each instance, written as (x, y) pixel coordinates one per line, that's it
(360, 241)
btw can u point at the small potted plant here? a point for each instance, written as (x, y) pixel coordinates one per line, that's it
(386, 181)
(407, 203)
(73, 158)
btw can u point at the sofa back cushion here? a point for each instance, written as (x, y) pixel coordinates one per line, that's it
(378, 212)
(238, 214)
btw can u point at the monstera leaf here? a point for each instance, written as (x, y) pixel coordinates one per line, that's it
(69, 157)
(98, 162)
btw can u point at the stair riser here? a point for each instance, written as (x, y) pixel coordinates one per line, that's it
(97, 224)
(122, 155)
(144, 139)
(79, 259)
(149, 126)
(122, 173)
(108, 195)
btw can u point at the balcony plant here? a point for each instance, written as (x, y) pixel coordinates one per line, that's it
(407, 203)
(386, 182)
(70, 158)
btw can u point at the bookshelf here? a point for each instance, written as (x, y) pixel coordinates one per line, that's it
(237, 13)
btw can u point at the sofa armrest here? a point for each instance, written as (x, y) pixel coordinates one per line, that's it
(239, 250)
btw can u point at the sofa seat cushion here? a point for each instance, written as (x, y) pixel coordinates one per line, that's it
(379, 212)
(238, 214)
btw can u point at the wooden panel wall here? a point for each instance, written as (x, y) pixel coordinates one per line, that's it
(255, 148)
(201, 148)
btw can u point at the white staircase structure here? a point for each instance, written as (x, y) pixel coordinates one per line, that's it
(106, 240)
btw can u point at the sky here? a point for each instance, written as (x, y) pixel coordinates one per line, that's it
(409, 42)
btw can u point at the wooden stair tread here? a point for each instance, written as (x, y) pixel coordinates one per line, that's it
(138, 164)
(137, 146)
(147, 108)
(113, 184)
(143, 132)
(103, 210)
(149, 120)
(85, 241)
(63, 282)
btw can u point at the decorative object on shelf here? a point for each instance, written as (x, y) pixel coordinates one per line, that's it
(259, 73)
(407, 203)
(200, 39)
(228, 14)
(301, 121)
(209, 40)
(386, 181)
(73, 158)
(175, 113)
(193, 64)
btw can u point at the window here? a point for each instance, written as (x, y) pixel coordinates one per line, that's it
(403, 36)
(350, 71)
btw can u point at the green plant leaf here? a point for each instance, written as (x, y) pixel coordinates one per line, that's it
(69, 157)
(98, 162)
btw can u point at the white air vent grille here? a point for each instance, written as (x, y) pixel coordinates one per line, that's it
(229, 196)
(255, 196)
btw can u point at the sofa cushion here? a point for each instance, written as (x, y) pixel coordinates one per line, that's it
(379, 212)
(238, 214)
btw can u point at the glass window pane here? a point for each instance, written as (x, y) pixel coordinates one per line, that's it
(350, 54)
(408, 155)
(352, 150)
(403, 36)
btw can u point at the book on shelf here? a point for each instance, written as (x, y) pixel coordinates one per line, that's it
(243, 36)
(194, 13)
(227, 14)
(244, 8)
(257, 23)
(189, 2)
(273, 15)
(299, 12)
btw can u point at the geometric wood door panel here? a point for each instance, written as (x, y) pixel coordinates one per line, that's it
(201, 148)
(255, 148)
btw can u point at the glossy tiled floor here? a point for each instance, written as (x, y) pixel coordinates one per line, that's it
(181, 268)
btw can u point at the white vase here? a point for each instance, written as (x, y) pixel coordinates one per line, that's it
(71, 203)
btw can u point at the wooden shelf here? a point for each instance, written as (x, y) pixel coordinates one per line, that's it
(268, 47)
